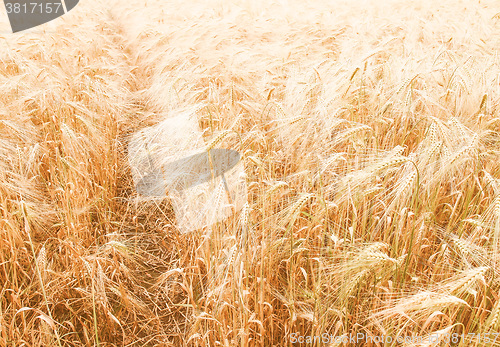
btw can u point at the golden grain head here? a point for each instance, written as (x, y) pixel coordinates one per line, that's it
(369, 137)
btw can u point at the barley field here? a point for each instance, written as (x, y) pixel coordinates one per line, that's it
(369, 135)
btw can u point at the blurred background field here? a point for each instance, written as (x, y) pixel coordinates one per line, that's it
(369, 135)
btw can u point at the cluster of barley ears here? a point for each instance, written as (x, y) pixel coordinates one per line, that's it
(370, 141)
